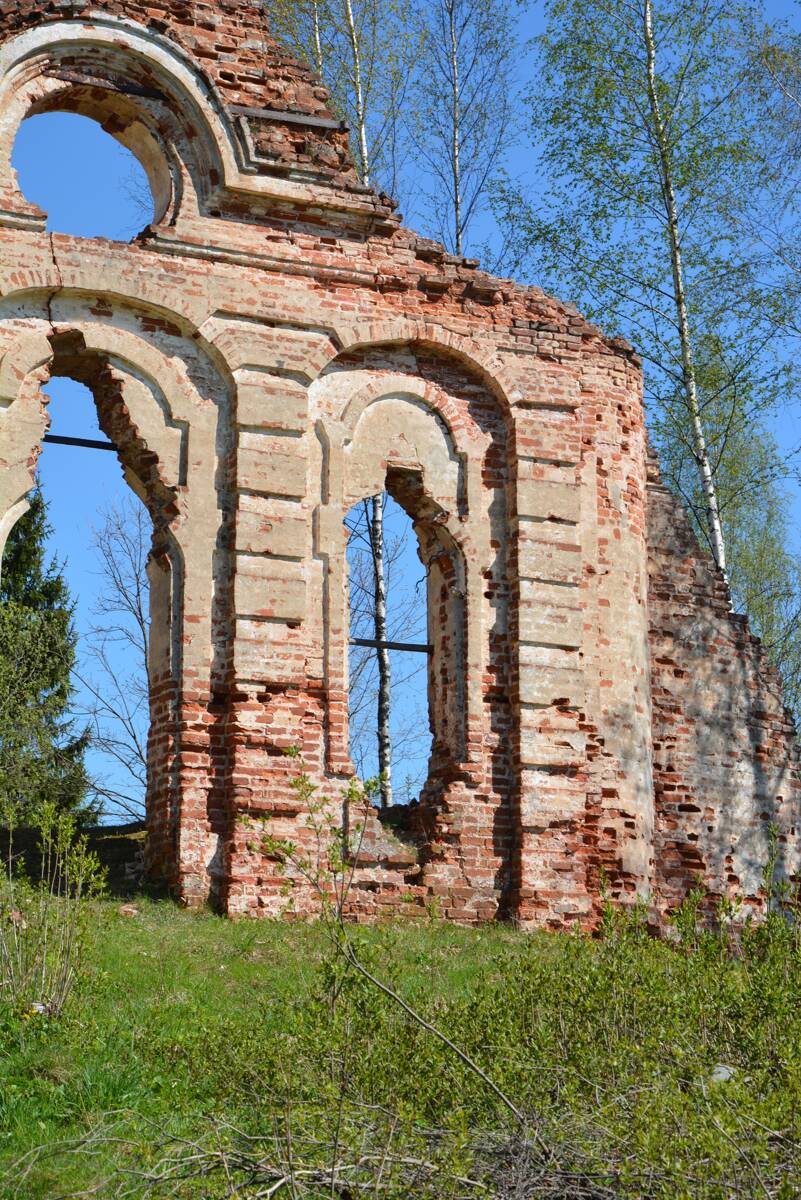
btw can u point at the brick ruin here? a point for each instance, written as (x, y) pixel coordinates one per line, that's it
(275, 347)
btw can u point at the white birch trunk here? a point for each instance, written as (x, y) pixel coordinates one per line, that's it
(688, 365)
(456, 125)
(318, 45)
(376, 518)
(358, 90)
(384, 668)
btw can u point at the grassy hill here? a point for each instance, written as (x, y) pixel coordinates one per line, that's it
(194, 1049)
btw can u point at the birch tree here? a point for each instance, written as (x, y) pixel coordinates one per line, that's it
(649, 139)
(462, 112)
(364, 51)
(773, 216)
(755, 484)
(642, 111)
(404, 710)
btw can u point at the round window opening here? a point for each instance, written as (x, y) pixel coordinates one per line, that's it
(88, 184)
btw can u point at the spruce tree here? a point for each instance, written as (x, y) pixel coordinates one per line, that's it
(41, 754)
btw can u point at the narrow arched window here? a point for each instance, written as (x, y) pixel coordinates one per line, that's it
(102, 535)
(406, 674)
(390, 736)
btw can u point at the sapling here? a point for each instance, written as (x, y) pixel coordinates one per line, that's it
(43, 919)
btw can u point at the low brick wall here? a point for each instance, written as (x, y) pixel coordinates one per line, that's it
(120, 848)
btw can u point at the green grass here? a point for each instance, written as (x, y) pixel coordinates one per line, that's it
(609, 1046)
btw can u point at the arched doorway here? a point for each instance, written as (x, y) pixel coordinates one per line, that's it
(101, 535)
(144, 404)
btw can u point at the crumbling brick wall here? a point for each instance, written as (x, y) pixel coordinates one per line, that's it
(275, 347)
(726, 764)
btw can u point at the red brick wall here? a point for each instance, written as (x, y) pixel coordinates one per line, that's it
(598, 711)
(726, 758)
(229, 40)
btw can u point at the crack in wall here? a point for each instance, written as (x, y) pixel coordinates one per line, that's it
(59, 287)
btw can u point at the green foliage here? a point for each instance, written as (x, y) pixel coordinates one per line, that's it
(340, 1060)
(599, 228)
(386, 45)
(43, 918)
(325, 863)
(27, 579)
(41, 756)
(599, 233)
(612, 1046)
(755, 508)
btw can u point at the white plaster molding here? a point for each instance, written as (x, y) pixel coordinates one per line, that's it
(189, 93)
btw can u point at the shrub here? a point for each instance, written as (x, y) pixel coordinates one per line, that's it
(43, 915)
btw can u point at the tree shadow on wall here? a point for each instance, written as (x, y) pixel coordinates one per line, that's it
(745, 765)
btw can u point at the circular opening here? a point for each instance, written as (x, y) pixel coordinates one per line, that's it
(88, 184)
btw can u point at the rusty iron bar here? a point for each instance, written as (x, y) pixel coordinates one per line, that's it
(286, 117)
(55, 439)
(411, 647)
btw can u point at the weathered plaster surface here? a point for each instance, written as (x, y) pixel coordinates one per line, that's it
(276, 347)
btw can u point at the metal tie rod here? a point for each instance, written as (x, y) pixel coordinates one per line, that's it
(55, 439)
(372, 644)
(411, 647)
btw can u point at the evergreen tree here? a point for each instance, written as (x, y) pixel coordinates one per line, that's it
(41, 755)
